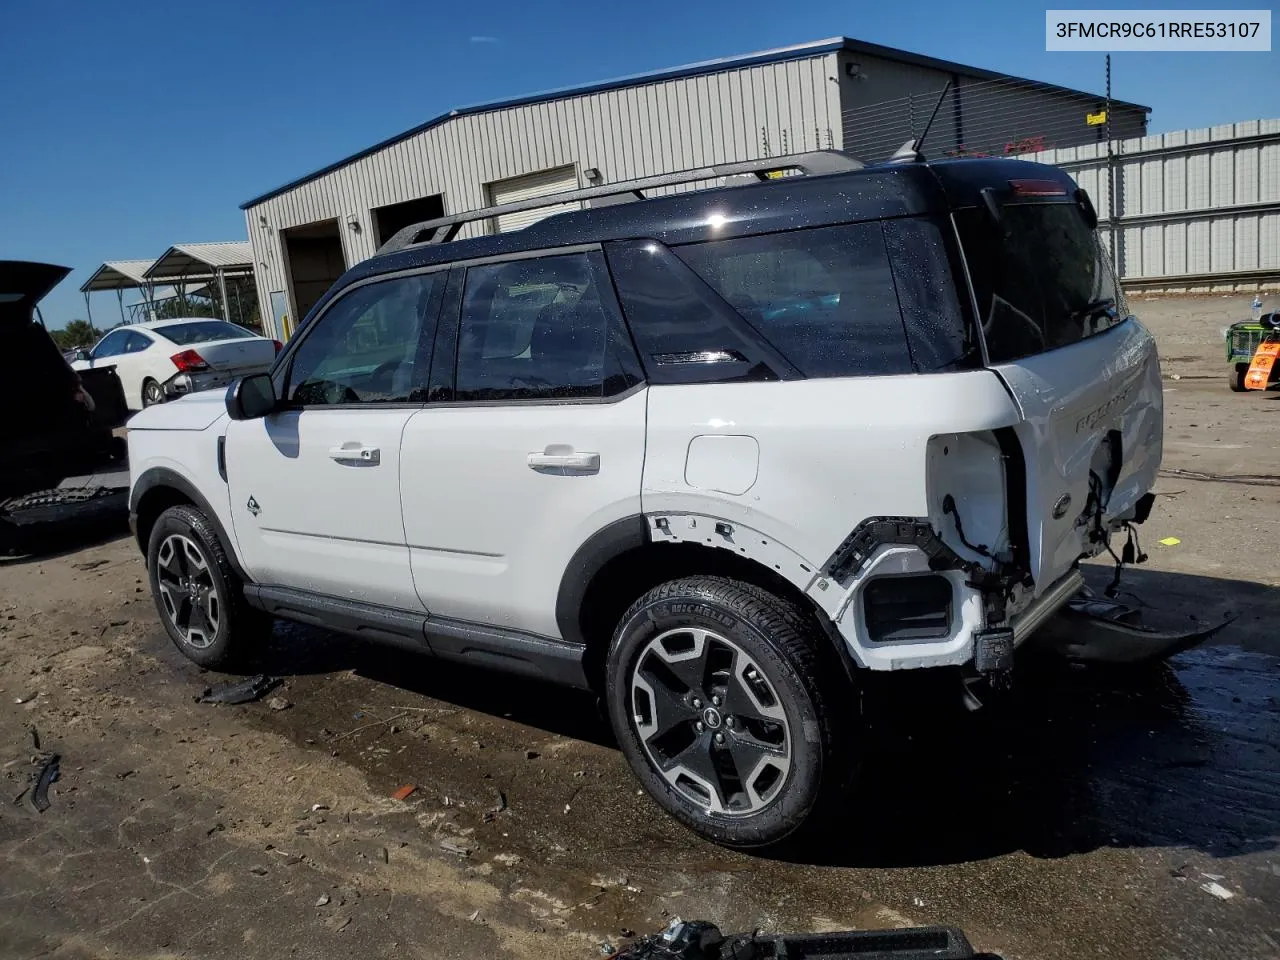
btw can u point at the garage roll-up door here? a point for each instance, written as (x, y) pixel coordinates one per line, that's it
(531, 185)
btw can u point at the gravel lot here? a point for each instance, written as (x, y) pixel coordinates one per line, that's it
(1104, 815)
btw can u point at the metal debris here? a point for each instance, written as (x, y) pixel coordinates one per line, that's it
(460, 847)
(1217, 890)
(243, 691)
(323, 900)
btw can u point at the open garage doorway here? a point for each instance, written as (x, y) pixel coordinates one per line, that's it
(396, 216)
(313, 254)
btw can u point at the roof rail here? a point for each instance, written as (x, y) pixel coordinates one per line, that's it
(444, 229)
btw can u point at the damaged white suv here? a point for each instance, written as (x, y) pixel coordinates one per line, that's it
(711, 454)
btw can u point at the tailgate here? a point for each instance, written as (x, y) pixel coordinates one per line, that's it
(1091, 433)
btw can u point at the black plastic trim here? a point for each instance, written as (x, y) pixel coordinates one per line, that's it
(164, 477)
(511, 651)
(605, 544)
(871, 534)
(222, 458)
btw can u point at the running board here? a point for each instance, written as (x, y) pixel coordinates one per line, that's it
(511, 651)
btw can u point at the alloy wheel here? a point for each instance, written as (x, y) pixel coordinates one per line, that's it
(187, 590)
(710, 721)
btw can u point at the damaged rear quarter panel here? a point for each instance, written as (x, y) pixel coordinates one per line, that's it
(832, 452)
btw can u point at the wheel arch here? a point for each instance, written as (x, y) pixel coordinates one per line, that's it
(159, 488)
(622, 561)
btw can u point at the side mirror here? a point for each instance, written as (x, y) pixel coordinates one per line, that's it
(83, 354)
(251, 397)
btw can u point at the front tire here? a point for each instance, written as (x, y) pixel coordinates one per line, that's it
(720, 705)
(197, 593)
(1235, 378)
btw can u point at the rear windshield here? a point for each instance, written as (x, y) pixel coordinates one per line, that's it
(202, 331)
(1041, 278)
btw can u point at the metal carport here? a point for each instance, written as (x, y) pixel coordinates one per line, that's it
(119, 275)
(183, 262)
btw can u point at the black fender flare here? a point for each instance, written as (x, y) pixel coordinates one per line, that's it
(607, 543)
(158, 477)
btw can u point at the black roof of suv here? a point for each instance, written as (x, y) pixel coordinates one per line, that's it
(856, 194)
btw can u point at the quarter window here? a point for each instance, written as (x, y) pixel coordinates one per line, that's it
(824, 297)
(373, 345)
(536, 329)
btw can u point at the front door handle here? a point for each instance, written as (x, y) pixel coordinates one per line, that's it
(355, 453)
(559, 456)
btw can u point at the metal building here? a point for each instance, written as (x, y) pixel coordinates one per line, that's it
(838, 93)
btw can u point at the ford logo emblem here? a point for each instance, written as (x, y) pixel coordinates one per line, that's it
(1062, 506)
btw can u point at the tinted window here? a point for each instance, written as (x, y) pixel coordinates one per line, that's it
(136, 342)
(930, 283)
(111, 345)
(824, 298)
(535, 329)
(1040, 277)
(372, 345)
(684, 331)
(202, 331)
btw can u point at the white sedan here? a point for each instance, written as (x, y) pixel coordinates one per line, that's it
(162, 359)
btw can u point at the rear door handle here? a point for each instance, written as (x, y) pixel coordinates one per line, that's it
(559, 457)
(355, 453)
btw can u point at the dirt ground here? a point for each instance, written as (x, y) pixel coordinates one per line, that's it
(1100, 815)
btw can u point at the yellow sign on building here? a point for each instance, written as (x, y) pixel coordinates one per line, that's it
(1096, 119)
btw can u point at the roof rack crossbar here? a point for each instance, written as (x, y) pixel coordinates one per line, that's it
(444, 229)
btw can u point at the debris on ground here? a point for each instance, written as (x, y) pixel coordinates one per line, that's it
(405, 792)
(531, 754)
(323, 900)
(1169, 542)
(497, 808)
(37, 793)
(242, 691)
(460, 847)
(699, 940)
(279, 703)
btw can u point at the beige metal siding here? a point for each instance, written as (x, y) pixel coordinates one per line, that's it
(651, 128)
(1194, 208)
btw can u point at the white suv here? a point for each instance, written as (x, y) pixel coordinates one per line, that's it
(711, 454)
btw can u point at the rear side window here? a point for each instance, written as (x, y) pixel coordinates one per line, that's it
(537, 329)
(202, 331)
(1040, 276)
(824, 297)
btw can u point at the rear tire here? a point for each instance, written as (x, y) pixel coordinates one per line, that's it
(197, 593)
(721, 703)
(1235, 378)
(152, 393)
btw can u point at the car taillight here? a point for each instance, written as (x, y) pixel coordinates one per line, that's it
(279, 345)
(188, 361)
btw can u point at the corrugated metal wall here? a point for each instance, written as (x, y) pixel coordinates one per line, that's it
(1194, 209)
(738, 114)
(886, 103)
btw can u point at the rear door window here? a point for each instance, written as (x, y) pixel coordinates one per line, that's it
(539, 328)
(824, 298)
(1041, 278)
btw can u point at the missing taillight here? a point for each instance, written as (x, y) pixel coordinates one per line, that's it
(279, 345)
(188, 361)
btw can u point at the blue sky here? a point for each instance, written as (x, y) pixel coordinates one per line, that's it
(132, 125)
